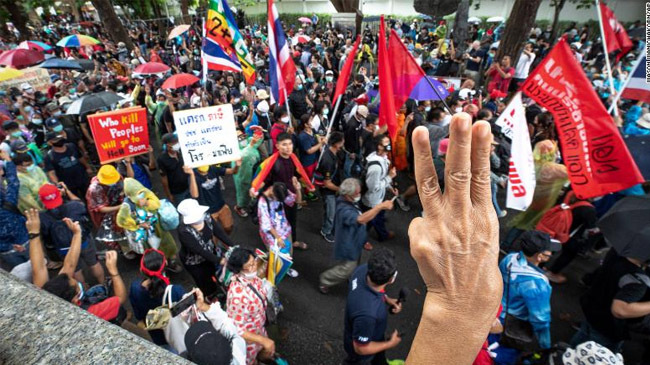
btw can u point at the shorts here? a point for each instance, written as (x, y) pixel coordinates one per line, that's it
(224, 217)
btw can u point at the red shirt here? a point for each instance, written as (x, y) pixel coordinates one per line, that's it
(498, 82)
(107, 309)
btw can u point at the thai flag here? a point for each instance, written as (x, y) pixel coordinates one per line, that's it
(217, 59)
(282, 70)
(636, 87)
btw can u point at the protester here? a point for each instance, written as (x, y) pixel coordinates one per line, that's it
(65, 163)
(14, 243)
(350, 233)
(174, 180)
(328, 177)
(250, 157)
(31, 178)
(104, 198)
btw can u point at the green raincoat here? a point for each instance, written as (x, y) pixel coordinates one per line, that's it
(250, 155)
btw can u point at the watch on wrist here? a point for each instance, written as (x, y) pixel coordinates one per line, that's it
(33, 235)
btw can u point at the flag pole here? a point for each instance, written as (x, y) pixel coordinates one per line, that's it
(627, 81)
(609, 67)
(204, 62)
(327, 135)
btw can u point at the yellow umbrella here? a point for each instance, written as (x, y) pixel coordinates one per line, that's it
(8, 73)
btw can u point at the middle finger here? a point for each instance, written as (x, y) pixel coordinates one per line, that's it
(458, 162)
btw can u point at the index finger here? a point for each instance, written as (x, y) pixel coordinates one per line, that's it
(425, 174)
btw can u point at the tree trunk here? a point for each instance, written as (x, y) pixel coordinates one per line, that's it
(111, 21)
(18, 17)
(518, 25)
(346, 6)
(436, 8)
(34, 18)
(559, 4)
(185, 13)
(460, 26)
(72, 4)
(162, 27)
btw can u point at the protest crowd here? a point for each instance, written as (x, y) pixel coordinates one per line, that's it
(308, 130)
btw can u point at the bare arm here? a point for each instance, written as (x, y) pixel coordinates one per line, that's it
(372, 213)
(72, 258)
(165, 184)
(36, 255)
(625, 310)
(194, 188)
(118, 284)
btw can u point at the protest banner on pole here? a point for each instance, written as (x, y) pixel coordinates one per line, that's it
(37, 77)
(207, 136)
(120, 133)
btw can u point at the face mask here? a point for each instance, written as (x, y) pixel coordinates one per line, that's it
(72, 91)
(58, 128)
(37, 121)
(236, 101)
(57, 113)
(326, 111)
(356, 199)
(176, 147)
(28, 109)
(81, 290)
(427, 109)
(161, 103)
(299, 87)
(285, 120)
(17, 134)
(250, 275)
(59, 143)
(388, 148)
(329, 78)
(243, 144)
(31, 168)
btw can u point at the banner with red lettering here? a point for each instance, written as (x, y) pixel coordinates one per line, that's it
(521, 168)
(120, 133)
(597, 160)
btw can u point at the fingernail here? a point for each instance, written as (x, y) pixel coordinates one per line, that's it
(483, 130)
(464, 124)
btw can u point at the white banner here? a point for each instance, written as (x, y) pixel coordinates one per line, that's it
(207, 136)
(35, 76)
(521, 170)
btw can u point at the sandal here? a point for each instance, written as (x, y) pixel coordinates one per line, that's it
(300, 245)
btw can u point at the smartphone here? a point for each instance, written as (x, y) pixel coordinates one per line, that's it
(181, 306)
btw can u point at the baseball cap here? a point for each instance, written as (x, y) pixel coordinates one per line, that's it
(25, 86)
(18, 145)
(362, 110)
(205, 345)
(9, 124)
(329, 72)
(537, 241)
(169, 138)
(51, 107)
(191, 211)
(263, 106)
(49, 136)
(262, 94)
(443, 146)
(50, 196)
(52, 122)
(108, 175)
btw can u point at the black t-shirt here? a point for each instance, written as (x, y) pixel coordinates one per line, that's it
(297, 103)
(584, 217)
(474, 66)
(167, 118)
(67, 166)
(329, 169)
(352, 135)
(210, 189)
(620, 279)
(367, 142)
(283, 170)
(173, 169)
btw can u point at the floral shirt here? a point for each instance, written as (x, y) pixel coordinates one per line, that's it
(273, 217)
(247, 311)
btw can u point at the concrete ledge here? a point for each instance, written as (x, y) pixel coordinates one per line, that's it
(38, 328)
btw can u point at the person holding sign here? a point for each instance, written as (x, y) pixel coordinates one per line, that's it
(205, 187)
(174, 180)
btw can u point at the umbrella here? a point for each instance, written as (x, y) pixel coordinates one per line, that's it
(495, 19)
(151, 68)
(35, 45)
(304, 19)
(92, 103)
(61, 64)
(179, 80)
(423, 91)
(178, 31)
(21, 58)
(474, 19)
(300, 39)
(8, 73)
(626, 227)
(87, 65)
(77, 40)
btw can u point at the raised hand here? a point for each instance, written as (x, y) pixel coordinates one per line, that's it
(456, 246)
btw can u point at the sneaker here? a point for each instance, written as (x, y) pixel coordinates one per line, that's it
(292, 273)
(323, 289)
(328, 237)
(368, 246)
(241, 211)
(403, 204)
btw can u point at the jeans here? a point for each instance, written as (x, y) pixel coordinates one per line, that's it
(329, 201)
(495, 189)
(351, 167)
(588, 333)
(11, 259)
(378, 223)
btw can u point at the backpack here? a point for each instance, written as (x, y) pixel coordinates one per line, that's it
(97, 294)
(364, 175)
(558, 220)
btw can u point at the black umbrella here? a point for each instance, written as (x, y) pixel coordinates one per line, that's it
(61, 64)
(626, 227)
(87, 65)
(93, 102)
(639, 147)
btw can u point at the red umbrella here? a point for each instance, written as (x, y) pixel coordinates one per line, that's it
(179, 80)
(151, 68)
(21, 58)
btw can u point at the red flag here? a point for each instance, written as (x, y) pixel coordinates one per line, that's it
(344, 76)
(615, 34)
(405, 70)
(597, 159)
(387, 103)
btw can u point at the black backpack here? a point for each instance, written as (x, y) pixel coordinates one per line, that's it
(364, 175)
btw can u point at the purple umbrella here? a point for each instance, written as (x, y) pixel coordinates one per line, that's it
(423, 91)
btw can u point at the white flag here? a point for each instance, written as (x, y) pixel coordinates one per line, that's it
(521, 170)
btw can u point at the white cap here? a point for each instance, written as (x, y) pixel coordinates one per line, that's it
(263, 106)
(644, 121)
(191, 211)
(362, 110)
(25, 86)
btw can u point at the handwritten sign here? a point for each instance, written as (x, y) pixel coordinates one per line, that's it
(120, 133)
(37, 77)
(207, 136)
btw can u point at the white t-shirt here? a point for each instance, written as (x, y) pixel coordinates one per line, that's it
(523, 65)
